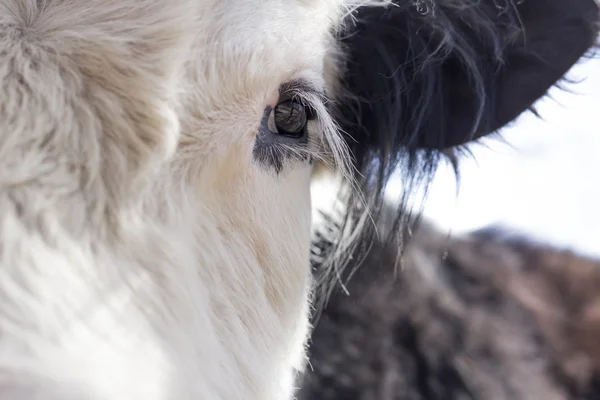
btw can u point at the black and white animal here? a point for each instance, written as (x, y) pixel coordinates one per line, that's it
(156, 159)
(485, 317)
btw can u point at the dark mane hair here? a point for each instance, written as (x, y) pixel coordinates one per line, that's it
(423, 78)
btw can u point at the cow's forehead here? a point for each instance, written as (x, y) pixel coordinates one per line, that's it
(253, 44)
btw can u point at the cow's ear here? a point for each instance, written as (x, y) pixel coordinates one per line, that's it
(442, 73)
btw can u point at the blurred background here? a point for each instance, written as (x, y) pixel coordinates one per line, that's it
(541, 179)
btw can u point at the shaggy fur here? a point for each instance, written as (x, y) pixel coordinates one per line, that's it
(440, 74)
(484, 318)
(155, 229)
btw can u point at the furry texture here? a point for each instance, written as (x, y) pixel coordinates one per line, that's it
(145, 251)
(440, 74)
(485, 317)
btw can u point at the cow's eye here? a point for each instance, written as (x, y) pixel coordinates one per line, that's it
(289, 118)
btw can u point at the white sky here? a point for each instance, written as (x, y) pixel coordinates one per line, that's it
(545, 183)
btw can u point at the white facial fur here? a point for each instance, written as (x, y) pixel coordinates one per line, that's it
(144, 252)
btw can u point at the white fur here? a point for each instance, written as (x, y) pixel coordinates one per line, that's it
(144, 254)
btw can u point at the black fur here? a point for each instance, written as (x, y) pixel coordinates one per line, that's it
(417, 85)
(481, 318)
(463, 70)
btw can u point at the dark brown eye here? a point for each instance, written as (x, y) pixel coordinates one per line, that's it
(289, 118)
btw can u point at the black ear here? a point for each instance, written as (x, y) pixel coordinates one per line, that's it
(431, 74)
(419, 78)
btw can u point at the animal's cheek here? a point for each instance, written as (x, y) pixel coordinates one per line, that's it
(282, 208)
(236, 183)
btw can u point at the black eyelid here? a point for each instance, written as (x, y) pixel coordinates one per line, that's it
(299, 86)
(294, 90)
(311, 113)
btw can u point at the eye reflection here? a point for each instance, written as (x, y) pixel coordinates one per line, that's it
(289, 118)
